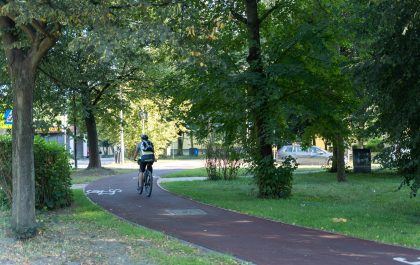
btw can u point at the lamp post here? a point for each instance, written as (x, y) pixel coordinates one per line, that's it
(143, 117)
(122, 150)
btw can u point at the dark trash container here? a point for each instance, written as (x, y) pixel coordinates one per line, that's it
(361, 161)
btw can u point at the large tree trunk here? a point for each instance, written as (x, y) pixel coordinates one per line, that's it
(341, 174)
(334, 158)
(256, 67)
(23, 64)
(263, 153)
(92, 133)
(23, 206)
(180, 149)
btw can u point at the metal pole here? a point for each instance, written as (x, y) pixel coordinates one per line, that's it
(75, 134)
(65, 130)
(122, 137)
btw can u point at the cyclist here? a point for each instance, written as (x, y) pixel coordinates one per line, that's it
(144, 155)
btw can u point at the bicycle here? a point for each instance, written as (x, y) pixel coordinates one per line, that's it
(147, 182)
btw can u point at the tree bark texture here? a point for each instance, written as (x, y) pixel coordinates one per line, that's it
(334, 158)
(92, 134)
(180, 149)
(341, 173)
(256, 67)
(23, 206)
(23, 64)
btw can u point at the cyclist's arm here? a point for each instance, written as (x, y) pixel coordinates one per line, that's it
(136, 153)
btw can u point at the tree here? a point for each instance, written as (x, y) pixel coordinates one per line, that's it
(251, 69)
(98, 83)
(391, 75)
(29, 29)
(26, 38)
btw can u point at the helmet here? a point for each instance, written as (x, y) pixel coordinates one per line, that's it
(144, 137)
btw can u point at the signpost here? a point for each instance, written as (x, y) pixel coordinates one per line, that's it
(6, 120)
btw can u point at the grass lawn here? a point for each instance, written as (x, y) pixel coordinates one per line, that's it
(85, 234)
(82, 176)
(201, 172)
(366, 206)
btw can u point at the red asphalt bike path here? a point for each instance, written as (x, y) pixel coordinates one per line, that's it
(248, 238)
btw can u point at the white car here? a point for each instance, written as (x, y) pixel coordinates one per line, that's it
(312, 155)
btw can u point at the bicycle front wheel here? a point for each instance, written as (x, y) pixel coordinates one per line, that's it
(148, 183)
(140, 183)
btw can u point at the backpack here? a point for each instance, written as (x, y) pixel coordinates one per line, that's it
(147, 146)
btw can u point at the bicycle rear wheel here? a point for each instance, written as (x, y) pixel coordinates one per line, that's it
(140, 183)
(148, 182)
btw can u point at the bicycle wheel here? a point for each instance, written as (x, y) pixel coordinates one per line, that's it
(140, 184)
(148, 185)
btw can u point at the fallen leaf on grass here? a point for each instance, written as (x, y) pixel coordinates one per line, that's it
(339, 220)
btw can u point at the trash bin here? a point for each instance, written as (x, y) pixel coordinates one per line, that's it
(361, 161)
(193, 152)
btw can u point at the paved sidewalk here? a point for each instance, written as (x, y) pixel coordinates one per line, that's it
(249, 238)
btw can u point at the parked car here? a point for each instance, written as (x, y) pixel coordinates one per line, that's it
(312, 155)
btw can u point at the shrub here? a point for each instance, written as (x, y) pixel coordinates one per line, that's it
(6, 169)
(222, 161)
(274, 182)
(52, 173)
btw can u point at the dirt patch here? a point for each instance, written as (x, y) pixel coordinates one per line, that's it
(73, 236)
(67, 242)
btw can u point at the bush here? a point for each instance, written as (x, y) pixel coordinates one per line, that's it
(5, 170)
(52, 173)
(222, 161)
(274, 182)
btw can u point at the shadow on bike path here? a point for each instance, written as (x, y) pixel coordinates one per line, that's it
(249, 238)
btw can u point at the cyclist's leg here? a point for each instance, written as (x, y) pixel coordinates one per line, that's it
(150, 167)
(142, 169)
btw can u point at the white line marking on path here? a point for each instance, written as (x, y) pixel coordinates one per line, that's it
(104, 192)
(404, 260)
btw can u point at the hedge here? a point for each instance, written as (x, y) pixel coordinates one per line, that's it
(52, 173)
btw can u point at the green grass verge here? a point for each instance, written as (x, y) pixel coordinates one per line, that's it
(366, 206)
(86, 234)
(196, 172)
(83, 176)
(185, 157)
(201, 172)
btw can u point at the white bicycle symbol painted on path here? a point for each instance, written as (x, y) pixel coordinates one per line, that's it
(103, 192)
(404, 260)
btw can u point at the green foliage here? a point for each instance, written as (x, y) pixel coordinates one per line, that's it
(275, 182)
(390, 73)
(375, 145)
(223, 160)
(52, 173)
(5, 169)
(301, 89)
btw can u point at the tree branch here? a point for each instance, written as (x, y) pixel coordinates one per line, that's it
(54, 79)
(269, 11)
(9, 39)
(40, 28)
(238, 16)
(100, 93)
(28, 29)
(40, 46)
